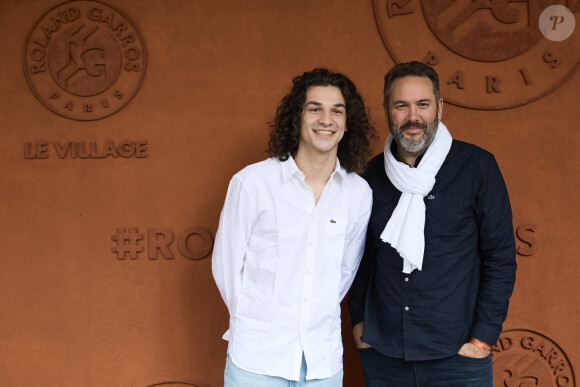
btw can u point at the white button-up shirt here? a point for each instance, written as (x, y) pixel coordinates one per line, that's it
(283, 264)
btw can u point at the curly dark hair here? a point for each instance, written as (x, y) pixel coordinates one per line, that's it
(416, 69)
(353, 149)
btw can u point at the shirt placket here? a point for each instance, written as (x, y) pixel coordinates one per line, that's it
(307, 280)
(407, 317)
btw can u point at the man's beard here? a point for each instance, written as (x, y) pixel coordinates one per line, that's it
(409, 146)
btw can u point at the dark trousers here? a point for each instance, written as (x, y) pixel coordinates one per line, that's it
(455, 371)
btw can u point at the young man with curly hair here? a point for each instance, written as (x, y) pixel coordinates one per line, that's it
(291, 237)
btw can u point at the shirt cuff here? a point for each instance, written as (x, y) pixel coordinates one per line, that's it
(485, 333)
(357, 311)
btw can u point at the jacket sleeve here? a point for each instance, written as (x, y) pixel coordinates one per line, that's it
(497, 252)
(231, 241)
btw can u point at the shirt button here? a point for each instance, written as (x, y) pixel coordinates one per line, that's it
(305, 301)
(406, 279)
(311, 243)
(406, 308)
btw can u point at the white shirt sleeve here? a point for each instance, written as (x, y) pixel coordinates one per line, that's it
(355, 243)
(231, 241)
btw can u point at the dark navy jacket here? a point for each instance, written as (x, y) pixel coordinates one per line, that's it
(469, 265)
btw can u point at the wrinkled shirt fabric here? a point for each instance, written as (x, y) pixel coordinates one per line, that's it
(283, 264)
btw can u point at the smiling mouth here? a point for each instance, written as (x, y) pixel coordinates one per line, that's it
(324, 132)
(413, 127)
(413, 130)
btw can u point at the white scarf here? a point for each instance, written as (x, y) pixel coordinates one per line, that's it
(405, 231)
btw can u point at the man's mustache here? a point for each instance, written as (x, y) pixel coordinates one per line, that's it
(414, 124)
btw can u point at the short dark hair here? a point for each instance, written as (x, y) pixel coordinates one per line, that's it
(416, 69)
(353, 149)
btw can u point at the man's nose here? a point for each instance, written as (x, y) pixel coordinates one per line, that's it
(412, 114)
(325, 117)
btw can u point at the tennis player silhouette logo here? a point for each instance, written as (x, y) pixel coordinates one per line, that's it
(84, 60)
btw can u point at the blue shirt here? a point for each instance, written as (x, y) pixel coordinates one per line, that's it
(469, 265)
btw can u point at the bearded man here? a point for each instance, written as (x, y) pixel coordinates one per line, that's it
(433, 288)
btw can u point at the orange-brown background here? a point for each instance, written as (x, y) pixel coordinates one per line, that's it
(72, 314)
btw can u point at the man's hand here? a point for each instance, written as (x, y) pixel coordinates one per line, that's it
(470, 350)
(357, 331)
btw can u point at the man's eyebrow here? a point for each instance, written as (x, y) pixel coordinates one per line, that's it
(421, 100)
(316, 103)
(320, 104)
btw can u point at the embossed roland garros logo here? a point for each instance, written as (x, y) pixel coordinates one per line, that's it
(84, 60)
(490, 54)
(527, 358)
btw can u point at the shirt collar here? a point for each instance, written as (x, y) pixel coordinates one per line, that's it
(339, 170)
(289, 169)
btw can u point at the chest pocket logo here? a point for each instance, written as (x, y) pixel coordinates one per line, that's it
(335, 235)
(449, 214)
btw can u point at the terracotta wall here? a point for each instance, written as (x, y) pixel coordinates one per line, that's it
(145, 151)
